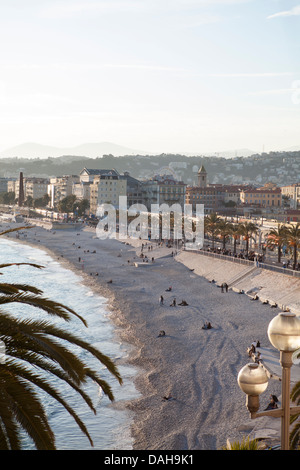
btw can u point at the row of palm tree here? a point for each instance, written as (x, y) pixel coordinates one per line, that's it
(215, 226)
(288, 236)
(284, 235)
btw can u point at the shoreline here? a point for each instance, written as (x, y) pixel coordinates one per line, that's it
(197, 368)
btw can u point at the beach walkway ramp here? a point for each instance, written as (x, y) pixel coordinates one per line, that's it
(241, 276)
(271, 362)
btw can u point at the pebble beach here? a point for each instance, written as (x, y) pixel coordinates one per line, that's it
(189, 398)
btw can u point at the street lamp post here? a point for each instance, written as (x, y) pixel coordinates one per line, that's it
(284, 335)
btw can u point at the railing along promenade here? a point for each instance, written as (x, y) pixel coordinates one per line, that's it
(258, 264)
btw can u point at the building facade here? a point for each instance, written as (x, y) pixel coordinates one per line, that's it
(61, 187)
(292, 192)
(35, 188)
(106, 188)
(262, 197)
(210, 196)
(163, 190)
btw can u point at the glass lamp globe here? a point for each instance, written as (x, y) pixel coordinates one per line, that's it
(252, 379)
(284, 332)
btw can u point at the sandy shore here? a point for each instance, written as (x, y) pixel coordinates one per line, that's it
(197, 368)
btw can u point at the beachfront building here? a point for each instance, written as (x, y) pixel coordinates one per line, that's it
(11, 185)
(211, 196)
(106, 188)
(202, 194)
(81, 190)
(134, 189)
(35, 188)
(61, 187)
(292, 215)
(163, 189)
(262, 197)
(231, 194)
(292, 193)
(208, 196)
(214, 197)
(4, 185)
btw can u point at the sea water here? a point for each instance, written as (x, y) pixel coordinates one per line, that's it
(110, 427)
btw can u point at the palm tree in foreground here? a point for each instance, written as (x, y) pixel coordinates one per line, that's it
(295, 433)
(34, 352)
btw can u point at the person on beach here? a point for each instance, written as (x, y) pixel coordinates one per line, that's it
(167, 397)
(273, 403)
(251, 350)
(258, 358)
(173, 304)
(169, 289)
(161, 300)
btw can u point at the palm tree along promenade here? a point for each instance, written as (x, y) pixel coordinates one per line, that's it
(285, 238)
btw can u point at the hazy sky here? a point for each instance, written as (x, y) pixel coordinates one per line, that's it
(154, 75)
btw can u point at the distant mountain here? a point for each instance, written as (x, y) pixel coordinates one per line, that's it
(281, 168)
(295, 148)
(232, 153)
(88, 150)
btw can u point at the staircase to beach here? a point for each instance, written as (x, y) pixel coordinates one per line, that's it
(240, 276)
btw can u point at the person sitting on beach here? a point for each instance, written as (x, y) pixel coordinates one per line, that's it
(273, 403)
(206, 326)
(169, 289)
(162, 333)
(167, 397)
(251, 350)
(173, 304)
(183, 303)
(258, 358)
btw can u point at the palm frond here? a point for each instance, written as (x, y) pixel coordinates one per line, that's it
(33, 265)
(26, 409)
(49, 306)
(16, 229)
(6, 288)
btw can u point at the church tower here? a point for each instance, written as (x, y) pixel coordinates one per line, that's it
(202, 177)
